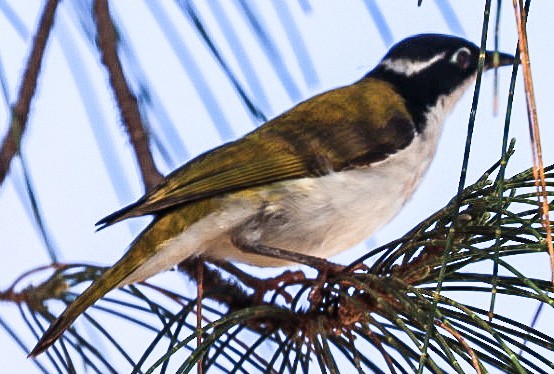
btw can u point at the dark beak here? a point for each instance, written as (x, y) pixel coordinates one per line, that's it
(494, 60)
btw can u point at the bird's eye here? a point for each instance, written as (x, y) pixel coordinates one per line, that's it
(461, 58)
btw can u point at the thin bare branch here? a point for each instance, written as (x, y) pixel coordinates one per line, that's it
(462, 341)
(199, 297)
(20, 111)
(534, 131)
(126, 100)
(223, 290)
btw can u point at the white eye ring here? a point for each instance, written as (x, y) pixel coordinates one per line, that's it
(461, 58)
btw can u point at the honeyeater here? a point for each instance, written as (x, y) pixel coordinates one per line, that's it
(307, 184)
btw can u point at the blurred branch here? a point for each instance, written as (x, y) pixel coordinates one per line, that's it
(20, 111)
(192, 13)
(126, 100)
(380, 21)
(534, 130)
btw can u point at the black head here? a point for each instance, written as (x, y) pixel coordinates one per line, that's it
(428, 67)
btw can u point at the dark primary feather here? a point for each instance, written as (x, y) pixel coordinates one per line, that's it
(344, 128)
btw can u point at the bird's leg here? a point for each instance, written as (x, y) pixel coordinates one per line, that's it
(324, 267)
(317, 263)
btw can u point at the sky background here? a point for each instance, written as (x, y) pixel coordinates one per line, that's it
(74, 130)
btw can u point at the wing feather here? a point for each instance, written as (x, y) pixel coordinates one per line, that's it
(342, 128)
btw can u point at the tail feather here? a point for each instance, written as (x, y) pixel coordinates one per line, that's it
(107, 281)
(136, 265)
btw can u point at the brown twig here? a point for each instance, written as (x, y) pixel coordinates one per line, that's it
(538, 166)
(126, 100)
(379, 345)
(20, 111)
(216, 287)
(18, 297)
(199, 297)
(462, 341)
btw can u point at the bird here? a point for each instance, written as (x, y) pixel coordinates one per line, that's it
(309, 183)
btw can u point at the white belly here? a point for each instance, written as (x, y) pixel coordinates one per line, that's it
(326, 215)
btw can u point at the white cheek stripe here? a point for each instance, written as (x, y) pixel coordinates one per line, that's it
(407, 66)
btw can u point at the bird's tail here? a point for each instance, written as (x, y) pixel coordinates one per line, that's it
(109, 280)
(134, 266)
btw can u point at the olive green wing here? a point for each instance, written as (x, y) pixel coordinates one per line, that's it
(330, 132)
(231, 167)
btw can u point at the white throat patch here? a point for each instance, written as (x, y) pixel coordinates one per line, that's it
(407, 66)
